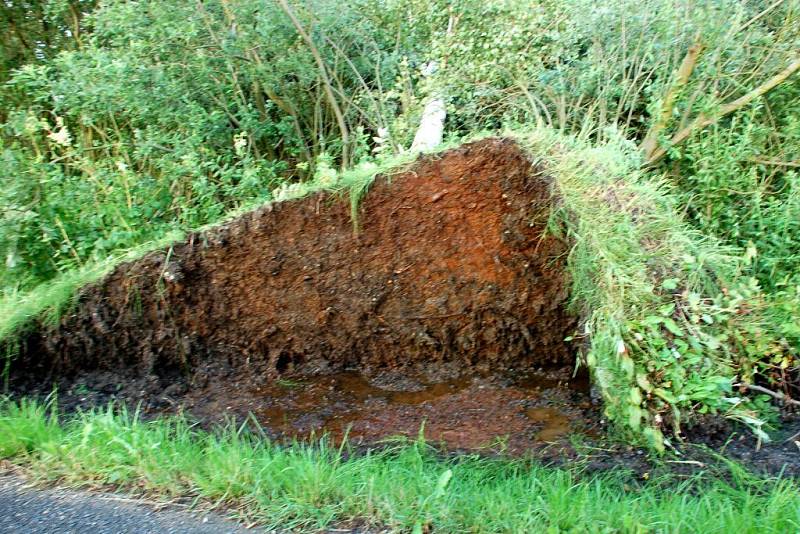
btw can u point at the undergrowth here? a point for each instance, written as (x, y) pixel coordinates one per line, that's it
(403, 487)
(672, 324)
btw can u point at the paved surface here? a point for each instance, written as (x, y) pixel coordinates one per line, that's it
(39, 511)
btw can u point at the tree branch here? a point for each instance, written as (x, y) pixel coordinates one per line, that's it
(775, 394)
(650, 143)
(702, 120)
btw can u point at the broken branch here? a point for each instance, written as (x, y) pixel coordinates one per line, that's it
(650, 143)
(775, 394)
(702, 120)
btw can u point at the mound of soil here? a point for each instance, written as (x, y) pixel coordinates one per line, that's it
(451, 273)
(445, 311)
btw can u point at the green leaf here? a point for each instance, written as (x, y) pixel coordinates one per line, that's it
(643, 382)
(670, 284)
(672, 326)
(667, 309)
(627, 365)
(665, 395)
(636, 396)
(634, 417)
(444, 479)
(652, 320)
(655, 438)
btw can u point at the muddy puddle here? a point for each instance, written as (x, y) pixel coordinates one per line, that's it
(473, 413)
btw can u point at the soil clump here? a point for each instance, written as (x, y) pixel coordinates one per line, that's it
(450, 277)
(446, 311)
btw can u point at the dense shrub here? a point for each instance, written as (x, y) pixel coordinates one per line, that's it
(172, 113)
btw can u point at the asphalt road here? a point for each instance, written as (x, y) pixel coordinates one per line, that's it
(38, 511)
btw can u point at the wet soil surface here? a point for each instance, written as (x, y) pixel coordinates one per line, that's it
(540, 411)
(545, 414)
(474, 413)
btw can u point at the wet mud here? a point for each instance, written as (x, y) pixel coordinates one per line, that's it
(514, 415)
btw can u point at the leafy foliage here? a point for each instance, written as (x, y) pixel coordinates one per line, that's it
(171, 113)
(670, 322)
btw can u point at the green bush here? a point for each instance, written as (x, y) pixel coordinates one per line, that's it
(670, 321)
(172, 114)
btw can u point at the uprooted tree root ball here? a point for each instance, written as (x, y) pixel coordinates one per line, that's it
(450, 272)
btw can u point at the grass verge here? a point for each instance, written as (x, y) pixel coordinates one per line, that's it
(406, 487)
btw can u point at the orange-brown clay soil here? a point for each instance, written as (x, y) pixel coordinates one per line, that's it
(450, 278)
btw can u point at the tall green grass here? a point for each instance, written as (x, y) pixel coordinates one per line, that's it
(405, 487)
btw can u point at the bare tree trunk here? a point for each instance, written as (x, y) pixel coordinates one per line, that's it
(431, 128)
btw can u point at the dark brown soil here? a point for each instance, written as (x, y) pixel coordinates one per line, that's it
(451, 274)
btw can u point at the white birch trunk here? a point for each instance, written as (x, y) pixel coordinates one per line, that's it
(431, 128)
